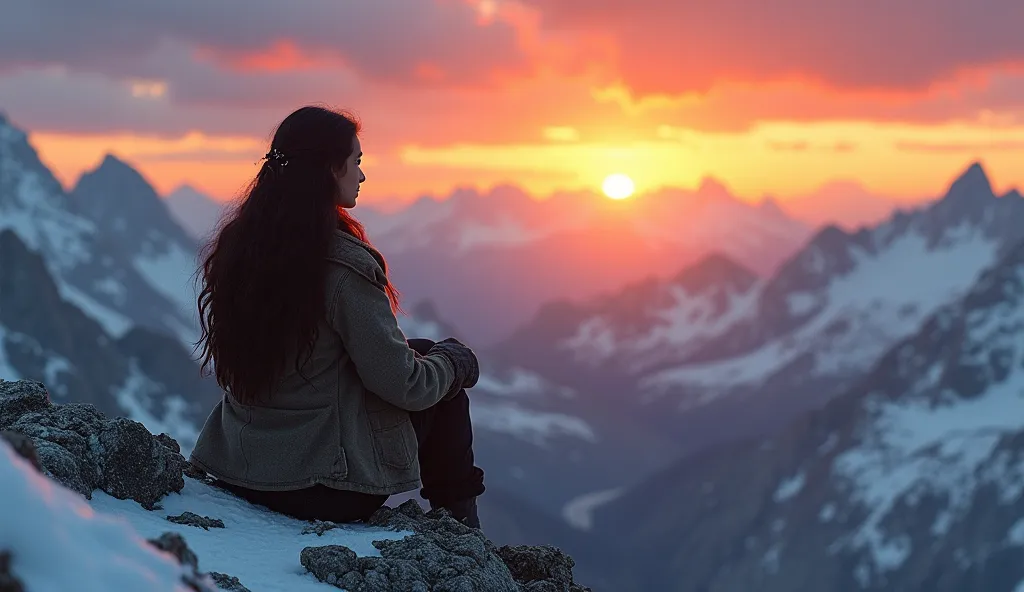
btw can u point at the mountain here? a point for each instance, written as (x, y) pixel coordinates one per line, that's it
(910, 480)
(473, 254)
(847, 204)
(542, 442)
(146, 375)
(92, 266)
(196, 212)
(728, 355)
(126, 210)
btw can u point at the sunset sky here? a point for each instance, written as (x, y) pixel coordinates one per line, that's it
(770, 98)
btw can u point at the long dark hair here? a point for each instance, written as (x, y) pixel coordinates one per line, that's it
(264, 273)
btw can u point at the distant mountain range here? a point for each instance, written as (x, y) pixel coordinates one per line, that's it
(717, 352)
(195, 211)
(473, 254)
(504, 251)
(911, 479)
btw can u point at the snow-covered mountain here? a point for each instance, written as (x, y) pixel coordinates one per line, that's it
(911, 480)
(544, 441)
(195, 211)
(126, 210)
(737, 353)
(477, 254)
(142, 374)
(116, 273)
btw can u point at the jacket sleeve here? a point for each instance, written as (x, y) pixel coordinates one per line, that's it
(361, 314)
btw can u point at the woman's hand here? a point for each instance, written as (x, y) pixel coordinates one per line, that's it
(467, 367)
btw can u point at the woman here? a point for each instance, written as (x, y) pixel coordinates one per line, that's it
(327, 409)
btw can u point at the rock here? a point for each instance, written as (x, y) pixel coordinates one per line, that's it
(168, 442)
(190, 519)
(226, 582)
(198, 474)
(24, 446)
(408, 516)
(540, 568)
(319, 527)
(8, 583)
(79, 447)
(442, 555)
(174, 543)
(19, 397)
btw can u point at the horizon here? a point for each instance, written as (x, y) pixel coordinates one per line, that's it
(546, 98)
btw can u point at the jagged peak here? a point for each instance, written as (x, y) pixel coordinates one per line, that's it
(1012, 194)
(971, 185)
(114, 170)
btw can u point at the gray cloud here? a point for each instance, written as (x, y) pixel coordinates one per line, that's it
(386, 40)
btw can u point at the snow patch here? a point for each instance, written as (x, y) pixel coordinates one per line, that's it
(7, 371)
(139, 396)
(259, 547)
(532, 426)
(801, 303)
(113, 323)
(579, 512)
(520, 382)
(789, 488)
(170, 274)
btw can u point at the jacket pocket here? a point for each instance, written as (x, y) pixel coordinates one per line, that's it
(393, 435)
(292, 446)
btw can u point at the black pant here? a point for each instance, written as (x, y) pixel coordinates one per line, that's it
(445, 437)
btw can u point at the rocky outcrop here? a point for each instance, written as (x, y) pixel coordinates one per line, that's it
(192, 519)
(442, 554)
(79, 447)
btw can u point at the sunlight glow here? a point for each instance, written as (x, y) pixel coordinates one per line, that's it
(618, 186)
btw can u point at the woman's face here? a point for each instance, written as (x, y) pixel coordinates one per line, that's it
(350, 176)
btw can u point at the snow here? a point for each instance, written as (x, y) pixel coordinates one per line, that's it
(100, 545)
(536, 427)
(259, 547)
(7, 371)
(801, 303)
(170, 273)
(884, 299)
(676, 330)
(59, 542)
(56, 364)
(594, 341)
(113, 288)
(519, 382)
(1016, 534)
(38, 216)
(936, 443)
(789, 488)
(139, 395)
(579, 512)
(113, 323)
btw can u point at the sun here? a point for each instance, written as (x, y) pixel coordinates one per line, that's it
(618, 186)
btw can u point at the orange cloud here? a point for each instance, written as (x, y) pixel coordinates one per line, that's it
(679, 47)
